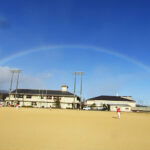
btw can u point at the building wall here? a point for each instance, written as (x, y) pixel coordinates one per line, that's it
(122, 108)
(37, 101)
(101, 102)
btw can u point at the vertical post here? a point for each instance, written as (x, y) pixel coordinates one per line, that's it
(18, 71)
(78, 73)
(81, 91)
(40, 98)
(11, 82)
(74, 89)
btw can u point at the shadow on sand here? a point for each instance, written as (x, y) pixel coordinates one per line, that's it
(115, 117)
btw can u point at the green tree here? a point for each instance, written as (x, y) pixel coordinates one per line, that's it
(57, 103)
(93, 105)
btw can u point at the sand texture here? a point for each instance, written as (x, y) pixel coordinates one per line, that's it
(44, 129)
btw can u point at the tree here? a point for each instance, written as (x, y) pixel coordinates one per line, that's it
(106, 107)
(93, 105)
(57, 102)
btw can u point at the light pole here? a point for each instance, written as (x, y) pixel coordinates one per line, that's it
(11, 82)
(18, 72)
(78, 73)
(74, 89)
(81, 73)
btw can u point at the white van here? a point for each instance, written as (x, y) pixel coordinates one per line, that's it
(86, 108)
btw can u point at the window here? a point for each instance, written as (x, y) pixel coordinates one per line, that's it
(49, 97)
(19, 96)
(29, 96)
(127, 108)
(57, 98)
(34, 103)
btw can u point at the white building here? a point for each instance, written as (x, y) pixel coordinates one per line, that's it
(126, 103)
(44, 98)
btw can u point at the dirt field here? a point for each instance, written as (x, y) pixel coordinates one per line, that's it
(42, 129)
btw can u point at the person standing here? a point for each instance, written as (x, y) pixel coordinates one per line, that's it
(118, 111)
(9, 105)
(17, 106)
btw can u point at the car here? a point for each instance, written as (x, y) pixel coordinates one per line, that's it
(102, 109)
(2, 104)
(86, 108)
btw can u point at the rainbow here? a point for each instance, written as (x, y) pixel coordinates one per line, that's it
(93, 48)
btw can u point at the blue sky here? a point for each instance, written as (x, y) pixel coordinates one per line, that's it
(120, 27)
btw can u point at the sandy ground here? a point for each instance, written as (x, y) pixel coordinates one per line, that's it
(42, 129)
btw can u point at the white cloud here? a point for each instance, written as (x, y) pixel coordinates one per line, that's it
(104, 81)
(4, 77)
(31, 82)
(25, 81)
